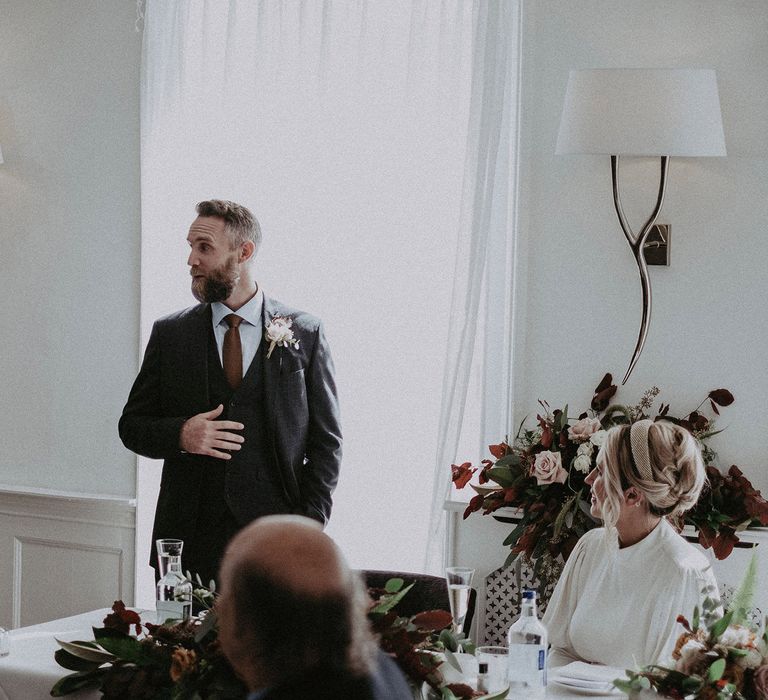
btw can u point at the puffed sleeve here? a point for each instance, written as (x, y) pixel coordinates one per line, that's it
(563, 601)
(682, 587)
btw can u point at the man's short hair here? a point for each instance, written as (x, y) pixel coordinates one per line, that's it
(290, 631)
(240, 224)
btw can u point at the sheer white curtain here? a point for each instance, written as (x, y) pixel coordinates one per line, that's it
(477, 385)
(343, 125)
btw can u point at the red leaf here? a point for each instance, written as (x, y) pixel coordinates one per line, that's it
(546, 437)
(713, 406)
(724, 543)
(603, 393)
(475, 504)
(462, 474)
(433, 620)
(722, 397)
(498, 451)
(698, 421)
(684, 622)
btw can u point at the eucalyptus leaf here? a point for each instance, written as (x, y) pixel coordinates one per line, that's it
(560, 519)
(716, 670)
(393, 585)
(721, 625)
(388, 602)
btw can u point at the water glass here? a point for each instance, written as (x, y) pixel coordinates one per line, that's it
(5, 642)
(494, 662)
(459, 580)
(165, 550)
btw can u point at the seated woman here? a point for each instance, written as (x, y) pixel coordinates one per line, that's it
(625, 583)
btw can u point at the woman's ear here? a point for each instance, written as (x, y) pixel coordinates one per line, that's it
(632, 497)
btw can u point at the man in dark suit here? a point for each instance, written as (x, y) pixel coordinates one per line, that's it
(237, 396)
(292, 618)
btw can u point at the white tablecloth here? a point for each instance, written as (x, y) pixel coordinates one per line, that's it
(30, 671)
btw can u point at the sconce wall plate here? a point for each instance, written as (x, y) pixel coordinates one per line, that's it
(657, 245)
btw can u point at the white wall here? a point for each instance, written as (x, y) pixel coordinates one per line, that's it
(580, 309)
(69, 227)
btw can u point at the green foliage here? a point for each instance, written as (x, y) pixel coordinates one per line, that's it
(741, 603)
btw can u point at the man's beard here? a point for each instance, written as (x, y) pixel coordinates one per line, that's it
(218, 285)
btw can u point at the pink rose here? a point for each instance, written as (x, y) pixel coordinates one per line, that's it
(760, 682)
(548, 468)
(583, 429)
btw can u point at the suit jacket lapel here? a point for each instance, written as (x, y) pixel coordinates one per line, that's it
(272, 365)
(195, 368)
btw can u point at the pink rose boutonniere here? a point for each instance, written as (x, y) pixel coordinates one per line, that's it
(279, 333)
(548, 468)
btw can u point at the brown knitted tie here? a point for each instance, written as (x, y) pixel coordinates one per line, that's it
(233, 351)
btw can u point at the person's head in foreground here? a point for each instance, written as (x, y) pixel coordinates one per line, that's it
(292, 613)
(645, 471)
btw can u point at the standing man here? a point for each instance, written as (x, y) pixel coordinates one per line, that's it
(237, 396)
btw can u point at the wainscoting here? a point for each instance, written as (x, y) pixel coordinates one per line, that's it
(63, 554)
(477, 542)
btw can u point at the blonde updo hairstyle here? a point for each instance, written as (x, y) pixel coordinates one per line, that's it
(675, 463)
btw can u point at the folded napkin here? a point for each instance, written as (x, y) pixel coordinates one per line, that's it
(591, 678)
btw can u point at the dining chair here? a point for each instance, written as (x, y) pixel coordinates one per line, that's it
(429, 593)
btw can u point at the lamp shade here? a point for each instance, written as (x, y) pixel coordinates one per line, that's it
(642, 112)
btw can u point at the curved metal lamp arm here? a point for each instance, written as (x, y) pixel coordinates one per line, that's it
(637, 243)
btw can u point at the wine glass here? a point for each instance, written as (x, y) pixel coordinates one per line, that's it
(459, 580)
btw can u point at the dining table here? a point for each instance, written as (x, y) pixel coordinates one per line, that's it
(29, 671)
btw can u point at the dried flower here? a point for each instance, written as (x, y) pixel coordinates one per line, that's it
(182, 661)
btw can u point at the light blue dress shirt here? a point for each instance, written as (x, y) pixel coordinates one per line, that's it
(250, 329)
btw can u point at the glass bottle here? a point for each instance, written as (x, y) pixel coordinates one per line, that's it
(527, 641)
(174, 590)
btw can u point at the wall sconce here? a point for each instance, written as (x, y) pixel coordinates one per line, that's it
(1, 156)
(641, 112)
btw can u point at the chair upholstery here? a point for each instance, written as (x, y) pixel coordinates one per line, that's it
(429, 593)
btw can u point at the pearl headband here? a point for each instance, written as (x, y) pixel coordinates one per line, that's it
(638, 440)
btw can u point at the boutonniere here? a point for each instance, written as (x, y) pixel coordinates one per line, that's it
(279, 333)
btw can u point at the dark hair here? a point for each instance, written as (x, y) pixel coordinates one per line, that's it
(241, 225)
(290, 632)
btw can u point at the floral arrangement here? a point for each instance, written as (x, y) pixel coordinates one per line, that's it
(542, 473)
(182, 660)
(422, 644)
(172, 661)
(717, 657)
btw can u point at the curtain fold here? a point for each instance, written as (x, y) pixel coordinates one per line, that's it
(477, 377)
(343, 125)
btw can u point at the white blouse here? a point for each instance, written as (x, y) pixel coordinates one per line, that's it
(619, 607)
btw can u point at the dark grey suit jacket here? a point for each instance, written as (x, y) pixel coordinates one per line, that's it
(301, 409)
